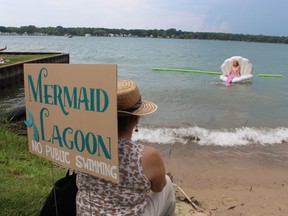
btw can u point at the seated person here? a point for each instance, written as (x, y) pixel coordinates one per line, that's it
(143, 187)
(234, 72)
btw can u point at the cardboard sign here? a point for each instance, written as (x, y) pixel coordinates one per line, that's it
(71, 113)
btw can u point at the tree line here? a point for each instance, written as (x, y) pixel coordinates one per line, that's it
(155, 33)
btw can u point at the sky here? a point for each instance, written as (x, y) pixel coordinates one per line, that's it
(256, 17)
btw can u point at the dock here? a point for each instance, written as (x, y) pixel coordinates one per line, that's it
(11, 74)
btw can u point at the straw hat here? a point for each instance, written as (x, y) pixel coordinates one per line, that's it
(129, 100)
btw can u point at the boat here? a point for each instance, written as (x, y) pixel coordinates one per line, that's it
(68, 35)
(246, 69)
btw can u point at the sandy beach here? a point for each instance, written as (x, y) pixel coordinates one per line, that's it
(228, 181)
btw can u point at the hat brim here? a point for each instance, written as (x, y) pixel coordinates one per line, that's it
(146, 108)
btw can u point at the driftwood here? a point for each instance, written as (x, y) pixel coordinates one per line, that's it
(14, 115)
(187, 197)
(2, 49)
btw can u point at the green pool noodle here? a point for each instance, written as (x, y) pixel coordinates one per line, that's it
(187, 71)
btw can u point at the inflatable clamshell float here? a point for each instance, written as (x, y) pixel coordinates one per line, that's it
(246, 69)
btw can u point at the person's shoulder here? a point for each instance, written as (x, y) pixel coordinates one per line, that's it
(150, 151)
(151, 155)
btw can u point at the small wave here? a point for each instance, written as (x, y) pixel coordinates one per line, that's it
(203, 136)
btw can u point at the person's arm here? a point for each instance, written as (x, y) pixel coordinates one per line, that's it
(230, 70)
(153, 168)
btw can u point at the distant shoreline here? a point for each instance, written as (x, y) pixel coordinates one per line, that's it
(142, 33)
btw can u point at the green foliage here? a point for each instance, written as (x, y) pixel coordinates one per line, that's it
(26, 179)
(169, 33)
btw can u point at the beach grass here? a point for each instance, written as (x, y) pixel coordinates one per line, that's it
(18, 58)
(26, 179)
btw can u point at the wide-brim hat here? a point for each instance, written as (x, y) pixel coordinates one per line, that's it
(129, 101)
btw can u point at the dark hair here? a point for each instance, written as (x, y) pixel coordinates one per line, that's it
(125, 121)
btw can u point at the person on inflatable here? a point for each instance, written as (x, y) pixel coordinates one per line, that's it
(235, 72)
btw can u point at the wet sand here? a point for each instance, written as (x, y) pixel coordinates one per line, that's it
(229, 181)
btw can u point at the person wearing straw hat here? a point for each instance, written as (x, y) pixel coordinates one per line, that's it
(143, 187)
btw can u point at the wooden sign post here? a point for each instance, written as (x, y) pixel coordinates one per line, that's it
(72, 116)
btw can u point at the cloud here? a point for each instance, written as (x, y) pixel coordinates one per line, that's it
(186, 15)
(231, 16)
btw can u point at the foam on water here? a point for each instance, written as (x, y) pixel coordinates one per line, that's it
(224, 137)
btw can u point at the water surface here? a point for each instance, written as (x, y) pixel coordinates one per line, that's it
(189, 105)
